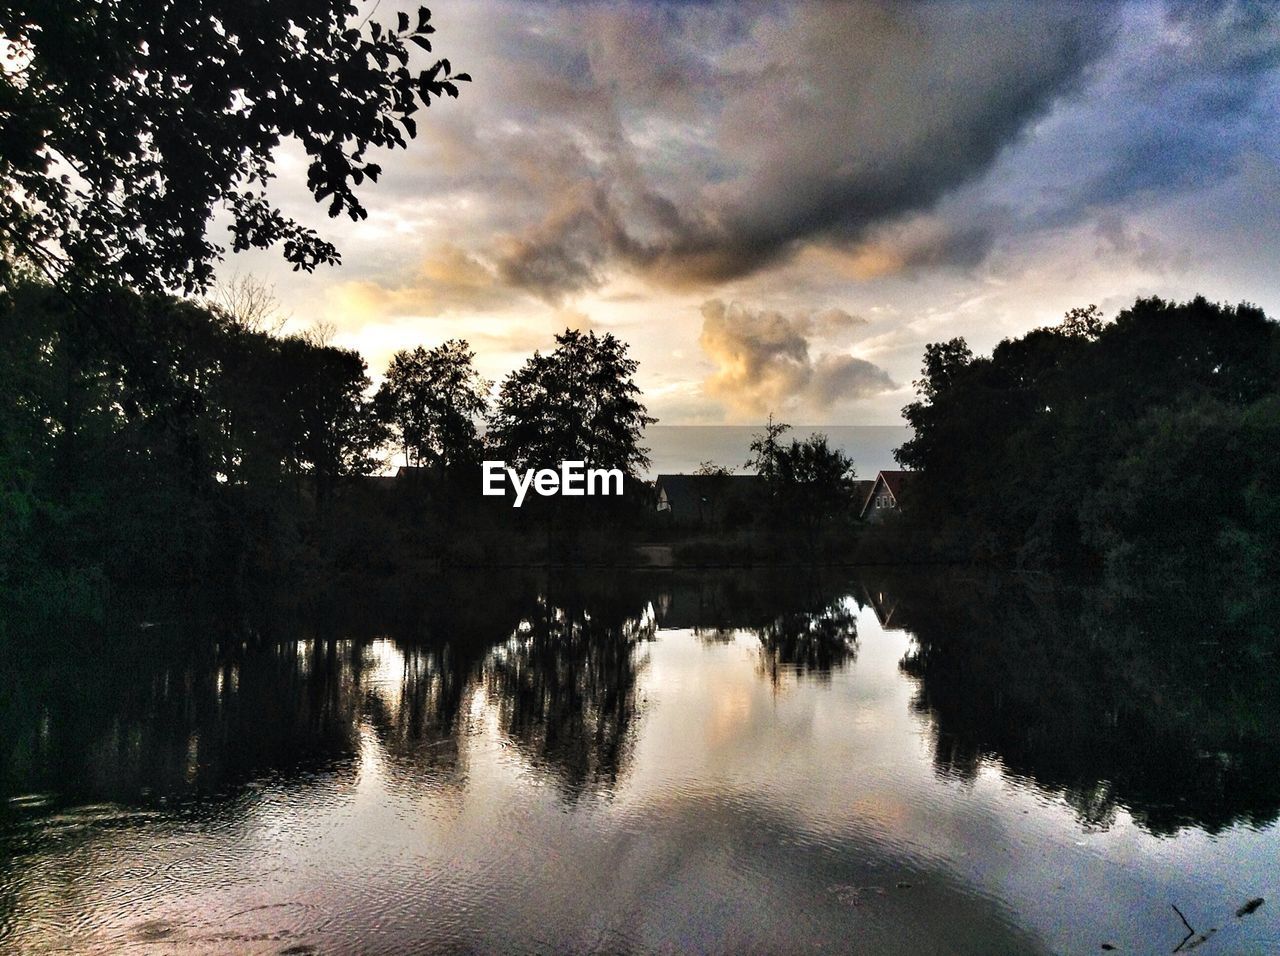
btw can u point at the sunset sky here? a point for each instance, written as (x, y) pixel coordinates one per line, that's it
(778, 204)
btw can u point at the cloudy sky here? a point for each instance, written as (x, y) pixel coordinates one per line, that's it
(779, 204)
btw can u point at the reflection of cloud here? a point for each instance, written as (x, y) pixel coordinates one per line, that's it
(763, 359)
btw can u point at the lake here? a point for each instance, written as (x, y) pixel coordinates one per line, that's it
(879, 762)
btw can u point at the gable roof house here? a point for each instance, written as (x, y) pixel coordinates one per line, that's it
(406, 475)
(701, 500)
(885, 496)
(888, 607)
(861, 492)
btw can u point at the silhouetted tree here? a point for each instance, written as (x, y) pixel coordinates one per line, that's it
(171, 454)
(248, 303)
(711, 469)
(1147, 440)
(432, 399)
(126, 126)
(806, 482)
(765, 448)
(1086, 322)
(335, 431)
(576, 403)
(813, 482)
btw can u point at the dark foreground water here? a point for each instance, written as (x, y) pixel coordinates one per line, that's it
(714, 763)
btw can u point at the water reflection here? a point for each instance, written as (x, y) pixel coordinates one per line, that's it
(806, 625)
(607, 760)
(181, 716)
(1111, 701)
(565, 685)
(126, 728)
(415, 705)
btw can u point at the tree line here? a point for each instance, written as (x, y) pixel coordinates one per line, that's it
(1149, 444)
(177, 441)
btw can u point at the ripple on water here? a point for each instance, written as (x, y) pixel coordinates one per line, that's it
(275, 926)
(207, 865)
(30, 801)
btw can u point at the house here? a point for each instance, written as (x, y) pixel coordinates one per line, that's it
(887, 607)
(406, 475)
(431, 472)
(861, 492)
(885, 496)
(700, 500)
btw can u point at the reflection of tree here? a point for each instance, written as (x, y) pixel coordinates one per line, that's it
(1108, 701)
(559, 665)
(195, 717)
(809, 643)
(439, 639)
(417, 720)
(565, 687)
(805, 623)
(176, 721)
(301, 706)
(715, 635)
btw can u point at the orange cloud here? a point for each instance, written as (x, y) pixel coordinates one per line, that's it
(449, 280)
(762, 359)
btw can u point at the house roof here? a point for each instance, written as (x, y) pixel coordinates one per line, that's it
(433, 470)
(688, 493)
(862, 492)
(894, 480)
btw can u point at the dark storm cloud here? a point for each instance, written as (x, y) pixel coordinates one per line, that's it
(695, 144)
(841, 377)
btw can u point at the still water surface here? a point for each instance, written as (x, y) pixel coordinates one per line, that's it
(717, 763)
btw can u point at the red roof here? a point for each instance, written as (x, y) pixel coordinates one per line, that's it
(894, 480)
